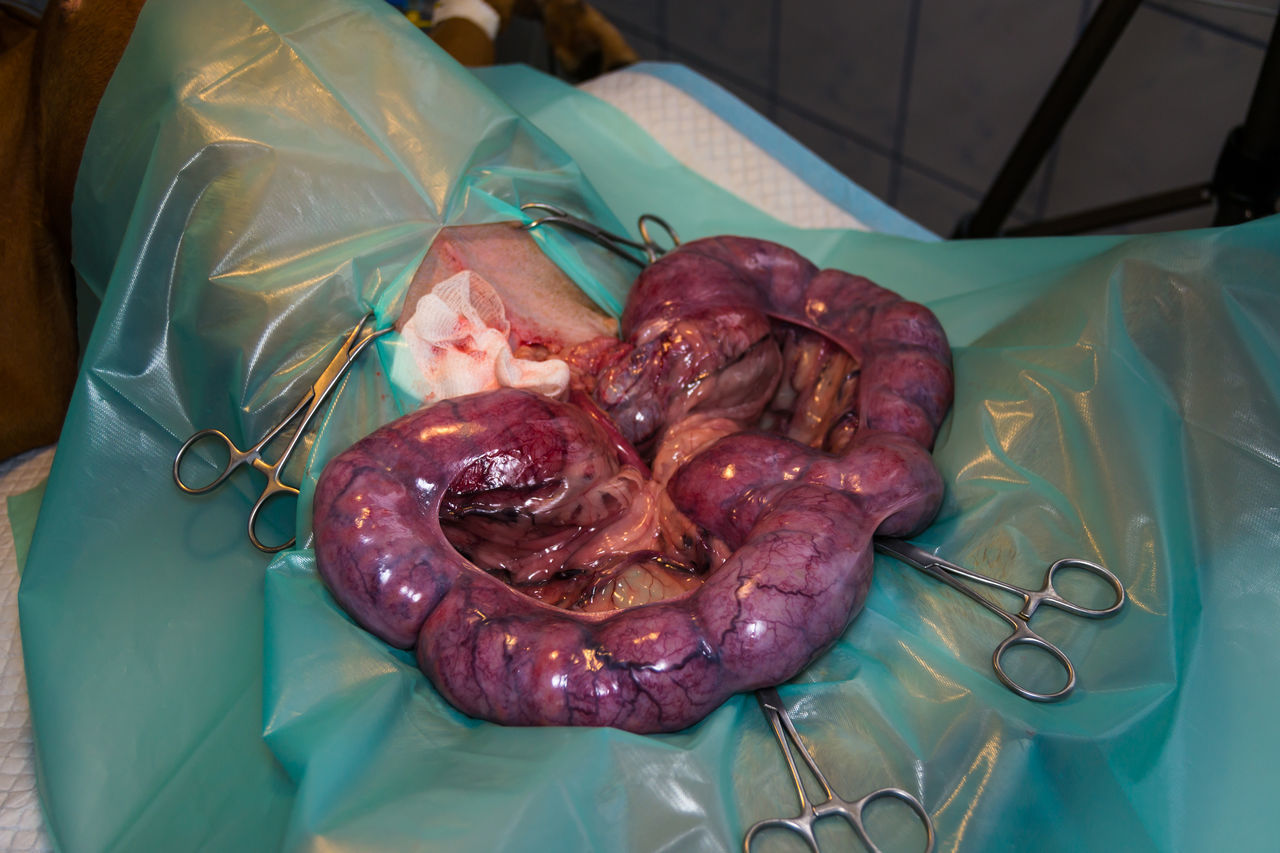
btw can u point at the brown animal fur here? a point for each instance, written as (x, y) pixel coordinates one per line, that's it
(582, 40)
(51, 79)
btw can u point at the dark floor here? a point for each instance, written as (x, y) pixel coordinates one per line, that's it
(919, 101)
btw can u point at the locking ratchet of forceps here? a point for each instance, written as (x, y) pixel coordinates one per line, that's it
(955, 576)
(308, 406)
(810, 813)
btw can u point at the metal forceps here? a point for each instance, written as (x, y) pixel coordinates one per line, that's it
(308, 406)
(810, 813)
(615, 243)
(1022, 634)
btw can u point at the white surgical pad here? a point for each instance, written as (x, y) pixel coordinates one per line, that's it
(456, 343)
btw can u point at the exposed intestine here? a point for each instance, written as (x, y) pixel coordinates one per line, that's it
(693, 520)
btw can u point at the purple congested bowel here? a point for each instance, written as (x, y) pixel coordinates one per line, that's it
(693, 519)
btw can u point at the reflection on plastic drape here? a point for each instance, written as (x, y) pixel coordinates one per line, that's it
(261, 174)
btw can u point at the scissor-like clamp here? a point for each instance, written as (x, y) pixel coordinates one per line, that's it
(308, 406)
(834, 805)
(954, 576)
(623, 247)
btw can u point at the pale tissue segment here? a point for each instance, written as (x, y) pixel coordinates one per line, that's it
(457, 343)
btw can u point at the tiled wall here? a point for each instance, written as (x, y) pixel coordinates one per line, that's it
(919, 101)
